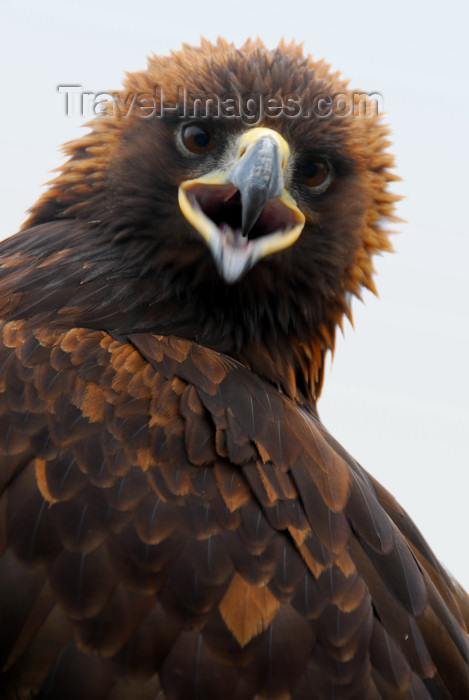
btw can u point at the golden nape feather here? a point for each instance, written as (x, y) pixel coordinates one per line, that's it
(176, 522)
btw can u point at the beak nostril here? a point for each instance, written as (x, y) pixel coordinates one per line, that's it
(242, 152)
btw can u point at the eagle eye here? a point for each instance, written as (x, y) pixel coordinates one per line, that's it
(316, 172)
(197, 139)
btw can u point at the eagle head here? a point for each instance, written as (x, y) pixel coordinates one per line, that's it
(235, 197)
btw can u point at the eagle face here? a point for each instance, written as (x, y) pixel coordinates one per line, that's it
(296, 190)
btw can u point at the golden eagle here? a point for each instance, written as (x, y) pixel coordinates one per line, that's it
(175, 521)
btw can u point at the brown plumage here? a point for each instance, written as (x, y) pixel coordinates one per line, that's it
(175, 521)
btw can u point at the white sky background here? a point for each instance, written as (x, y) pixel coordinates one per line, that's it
(397, 394)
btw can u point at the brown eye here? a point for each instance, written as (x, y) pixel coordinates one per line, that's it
(316, 172)
(197, 139)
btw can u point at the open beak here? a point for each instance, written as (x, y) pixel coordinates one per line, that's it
(245, 213)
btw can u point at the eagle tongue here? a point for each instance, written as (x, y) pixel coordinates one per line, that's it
(233, 237)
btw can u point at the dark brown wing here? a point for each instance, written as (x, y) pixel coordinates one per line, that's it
(172, 527)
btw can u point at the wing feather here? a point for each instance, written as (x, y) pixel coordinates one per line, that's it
(170, 522)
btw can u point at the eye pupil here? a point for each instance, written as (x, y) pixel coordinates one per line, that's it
(201, 138)
(315, 172)
(197, 139)
(311, 170)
